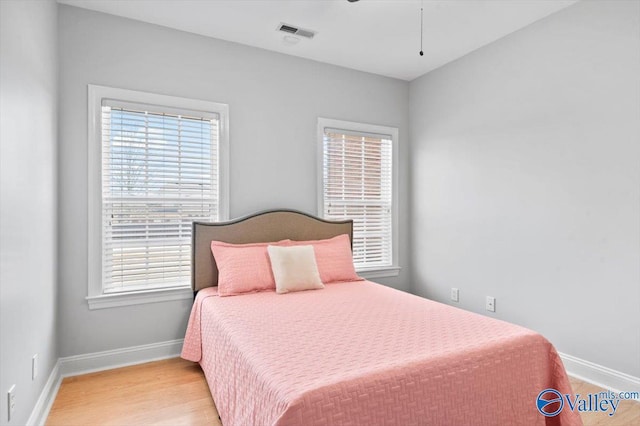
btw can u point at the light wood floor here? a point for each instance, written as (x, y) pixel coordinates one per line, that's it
(175, 392)
(628, 412)
(169, 392)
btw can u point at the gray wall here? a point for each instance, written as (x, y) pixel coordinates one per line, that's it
(28, 205)
(525, 179)
(274, 103)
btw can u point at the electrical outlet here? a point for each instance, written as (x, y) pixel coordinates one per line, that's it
(454, 294)
(11, 402)
(491, 304)
(34, 367)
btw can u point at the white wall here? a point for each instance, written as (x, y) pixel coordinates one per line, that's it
(274, 103)
(525, 159)
(28, 205)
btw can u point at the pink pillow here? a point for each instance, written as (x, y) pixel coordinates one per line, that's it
(243, 268)
(333, 257)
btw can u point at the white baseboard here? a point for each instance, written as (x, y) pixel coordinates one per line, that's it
(97, 361)
(599, 375)
(100, 361)
(47, 396)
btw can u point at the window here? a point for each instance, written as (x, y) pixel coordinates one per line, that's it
(357, 180)
(158, 164)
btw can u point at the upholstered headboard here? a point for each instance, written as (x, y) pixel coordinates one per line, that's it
(267, 226)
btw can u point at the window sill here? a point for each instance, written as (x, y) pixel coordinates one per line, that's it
(391, 271)
(139, 297)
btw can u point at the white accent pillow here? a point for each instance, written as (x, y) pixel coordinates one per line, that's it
(294, 268)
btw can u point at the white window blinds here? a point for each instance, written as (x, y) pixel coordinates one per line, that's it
(159, 173)
(357, 184)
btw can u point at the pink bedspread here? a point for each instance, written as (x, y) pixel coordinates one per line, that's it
(364, 354)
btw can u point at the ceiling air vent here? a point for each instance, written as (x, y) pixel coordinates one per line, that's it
(290, 29)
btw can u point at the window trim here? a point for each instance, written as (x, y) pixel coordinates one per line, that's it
(394, 269)
(95, 296)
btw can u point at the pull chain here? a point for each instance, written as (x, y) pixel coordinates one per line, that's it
(421, 25)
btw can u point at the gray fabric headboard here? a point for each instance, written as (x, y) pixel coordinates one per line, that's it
(263, 227)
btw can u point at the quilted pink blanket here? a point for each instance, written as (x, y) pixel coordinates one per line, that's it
(364, 354)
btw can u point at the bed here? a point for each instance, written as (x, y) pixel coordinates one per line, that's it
(357, 353)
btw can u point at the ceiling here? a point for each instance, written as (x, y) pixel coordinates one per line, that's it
(377, 36)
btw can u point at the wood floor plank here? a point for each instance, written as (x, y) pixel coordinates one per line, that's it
(628, 412)
(169, 392)
(175, 392)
